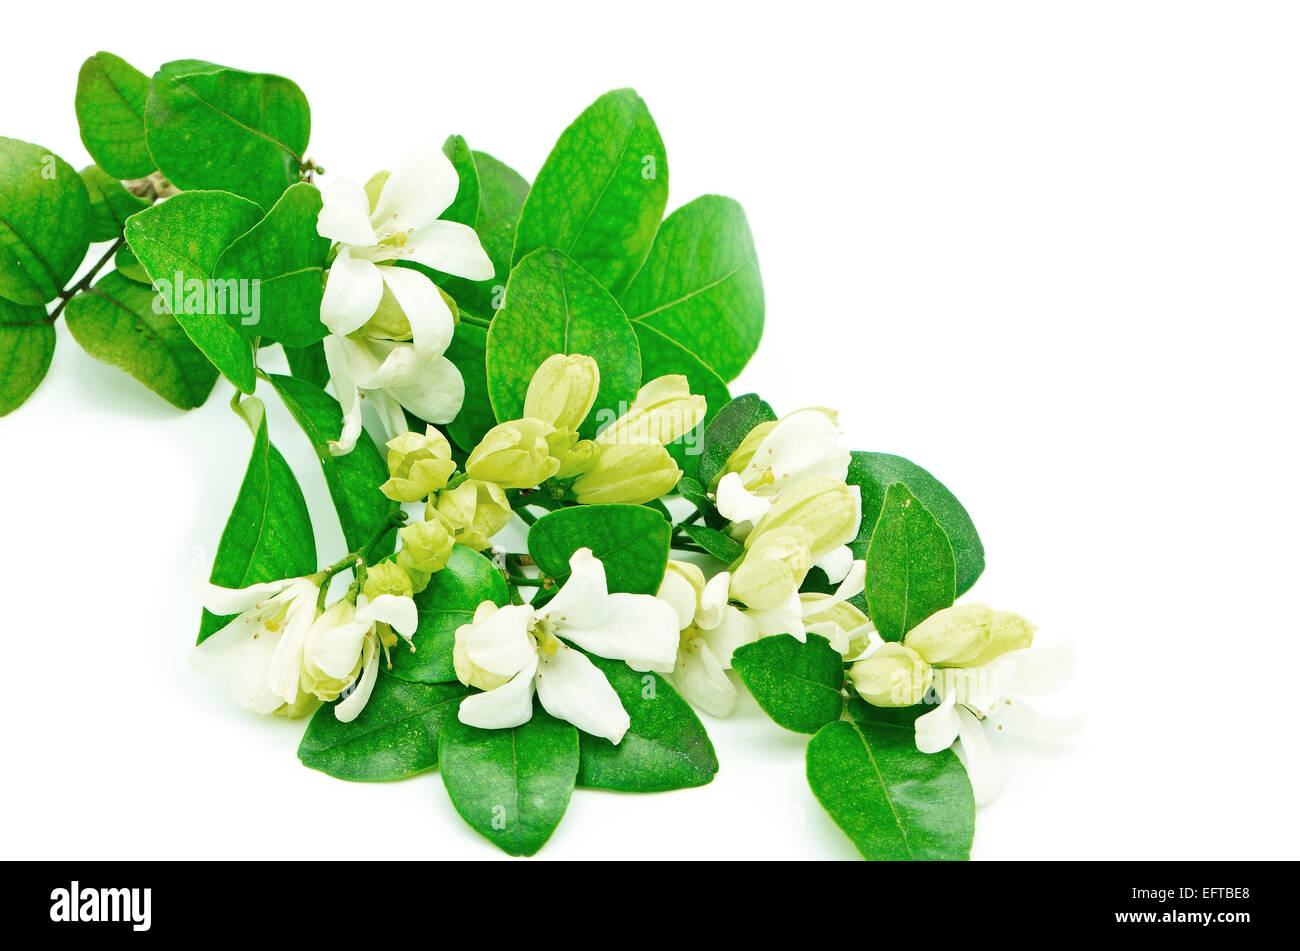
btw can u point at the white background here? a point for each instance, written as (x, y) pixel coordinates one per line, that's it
(1046, 250)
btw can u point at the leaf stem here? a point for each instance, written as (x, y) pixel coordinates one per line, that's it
(68, 293)
(475, 321)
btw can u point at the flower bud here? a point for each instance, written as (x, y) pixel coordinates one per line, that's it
(632, 473)
(387, 577)
(426, 546)
(829, 509)
(772, 570)
(580, 458)
(514, 455)
(845, 626)
(742, 454)
(563, 390)
(474, 511)
(418, 465)
(969, 635)
(894, 676)
(389, 321)
(663, 411)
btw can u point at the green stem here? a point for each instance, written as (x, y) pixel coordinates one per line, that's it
(521, 581)
(526, 515)
(476, 321)
(70, 292)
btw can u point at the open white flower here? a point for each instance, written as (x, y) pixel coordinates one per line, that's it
(711, 630)
(342, 649)
(260, 651)
(512, 652)
(991, 698)
(804, 612)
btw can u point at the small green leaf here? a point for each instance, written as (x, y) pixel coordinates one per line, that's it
(110, 204)
(110, 103)
(354, 478)
(630, 540)
(268, 535)
(601, 194)
(211, 127)
(717, 543)
(512, 786)
(798, 685)
(394, 736)
(451, 598)
(468, 351)
(286, 256)
(892, 800)
(44, 222)
(700, 284)
(179, 243)
(501, 193)
(26, 349)
(728, 430)
(554, 306)
(128, 265)
(910, 568)
(117, 323)
(665, 746)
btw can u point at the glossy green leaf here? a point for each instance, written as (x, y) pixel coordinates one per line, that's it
(501, 194)
(660, 357)
(110, 204)
(554, 306)
(798, 685)
(286, 256)
(121, 323)
(308, 363)
(26, 349)
(44, 222)
(910, 568)
(700, 284)
(630, 540)
(211, 127)
(727, 431)
(110, 103)
(512, 786)
(179, 243)
(468, 351)
(451, 598)
(353, 478)
(875, 472)
(268, 535)
(665, 747)
(893, 801)
(464, 208)
(601, 194)
(716, 542)
(394, 736)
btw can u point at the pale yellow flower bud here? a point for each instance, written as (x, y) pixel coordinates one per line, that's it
(663, 411)
(969, 635)
(894, 676)
(563, 390)
(741, 455)
(389, 321)
(387, 577)
(846, 627)
(419, 465)
(579, 459)
(830, 510)
(474, 511)
(425, 546)
(632, 473)
(772, 569)
(515, 454)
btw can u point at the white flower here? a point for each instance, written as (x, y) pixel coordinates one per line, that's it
(342, 648)
(711, 630)
(802, 613)
(805, 444)
(511, 652)
(991, 698)
(260, 652)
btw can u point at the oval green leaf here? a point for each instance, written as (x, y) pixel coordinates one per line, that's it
(26, 349)
(631, 541)
(110, 204)
(110, 103)
(44, 222)
(910, 568)
(501, 194)
(798, 685)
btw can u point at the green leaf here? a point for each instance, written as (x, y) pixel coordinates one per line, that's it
(512, 786)
(601, 194)
(354, 478)
(110, 204)
(892, 800)
(554, 306)
(700, 284)
(501, 193)
(179, 243)
(875, 472)
(26, 349)
(211, 127)
(665, 746)
(630, 540)
(910, 568)
(110, 103)
(451, 598)
(464, 208)
(268, 535)
(468, 351)
(394, 736)
(308, 363)
(728, 430)
(717, 543)
(117, 323)
(128, 265)
(286, 256)
(44, 222)
(798, 685)
(660, 357)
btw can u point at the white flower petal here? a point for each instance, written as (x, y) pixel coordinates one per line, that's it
(352, 294)
(250, 683)
(785, 619)
(938, 729)
(982, 766)
(398, 612)
(581, 600)
(736, 503)
(451, 247)
(509, 705)
(346, 391)
(390, 413)
(428, 314)
(499, 642)
(803, 445)
(1020, 717)
(420, 188)
(1034, 671)
(676, 591)
(335, 648)
(345, 213)
(222, 601)
(347, 709)
(733, 630)
(837, 563)
(572, 688)
(713, 601)
(701, 679)
(436, 394)
(637, 628)
(286, 664)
